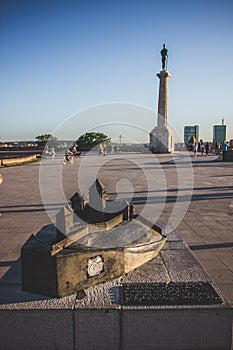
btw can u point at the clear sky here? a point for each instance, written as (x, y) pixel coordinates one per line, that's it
(61, 57)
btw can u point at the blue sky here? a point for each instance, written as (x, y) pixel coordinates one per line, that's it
(59, 58)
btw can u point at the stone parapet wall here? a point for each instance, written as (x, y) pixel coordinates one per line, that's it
(18, 154)
(18, 160)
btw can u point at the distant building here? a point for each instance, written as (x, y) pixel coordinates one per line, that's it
(189, 131)
(219, 133)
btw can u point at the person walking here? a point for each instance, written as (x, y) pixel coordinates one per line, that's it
(202, 147)
(104, 149)
(195, 149)
(101, 150)
(224, 146)
(52, 152)
(207, 148)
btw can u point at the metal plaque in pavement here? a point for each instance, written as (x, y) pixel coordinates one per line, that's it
(180, 293)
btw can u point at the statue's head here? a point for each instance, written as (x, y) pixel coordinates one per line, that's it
(164, 46)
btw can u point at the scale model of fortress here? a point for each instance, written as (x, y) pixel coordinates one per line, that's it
(92, 242)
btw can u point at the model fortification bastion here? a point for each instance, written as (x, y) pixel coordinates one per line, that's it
(94, 241)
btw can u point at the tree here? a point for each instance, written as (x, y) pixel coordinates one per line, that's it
(90, 140)
(48, 139)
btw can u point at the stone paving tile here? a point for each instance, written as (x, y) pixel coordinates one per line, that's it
(216, 226)
(11, 257)
(183, 226)
(3, 270)
(191, 237)
(209, 236)
(221, 275)
(194, 223)
(229, 263)
(205, 254)
(226, 288)
(209, 264)
(225, 235)
(7, 262)
(2, 255)
(224, 253)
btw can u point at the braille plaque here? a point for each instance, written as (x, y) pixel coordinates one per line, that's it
(181, 293)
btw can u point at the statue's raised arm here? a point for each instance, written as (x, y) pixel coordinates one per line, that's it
(164, 55)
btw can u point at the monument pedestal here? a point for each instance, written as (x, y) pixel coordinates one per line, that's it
(161, 140)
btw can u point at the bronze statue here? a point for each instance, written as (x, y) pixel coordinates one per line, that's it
(164, 54)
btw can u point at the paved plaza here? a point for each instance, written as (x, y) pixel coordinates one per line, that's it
(194, 195)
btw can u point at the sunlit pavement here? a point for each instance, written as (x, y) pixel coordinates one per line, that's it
(155, 185)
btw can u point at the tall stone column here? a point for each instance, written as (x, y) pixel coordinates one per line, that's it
(163, 99)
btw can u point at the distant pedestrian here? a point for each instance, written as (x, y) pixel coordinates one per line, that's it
(202, 147)
(224, 146)
(52, 152)
(207, 148)
(46, 149)
(217, 147)
(101, 149)
(73, 148)
(104, 149)
(195, 149)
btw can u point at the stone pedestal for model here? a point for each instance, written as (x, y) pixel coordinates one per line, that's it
(169, 303)
(161, 137)
(80, 253)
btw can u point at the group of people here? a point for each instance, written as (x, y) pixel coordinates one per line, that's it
(70, 152)
(111, 149)
(204, 147)
(49, 152)
(200, 147)
(220, 146)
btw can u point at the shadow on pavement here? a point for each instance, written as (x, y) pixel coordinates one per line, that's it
(11, 288)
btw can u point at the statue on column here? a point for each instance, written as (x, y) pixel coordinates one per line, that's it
(164, 55)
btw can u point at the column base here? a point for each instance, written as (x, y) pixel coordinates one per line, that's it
(161, 140)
